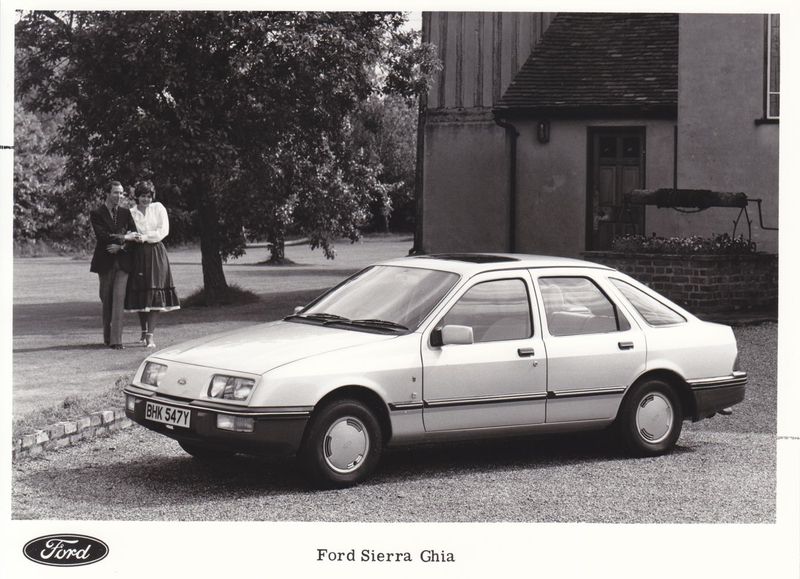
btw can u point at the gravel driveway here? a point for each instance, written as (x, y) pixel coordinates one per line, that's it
(723, 471)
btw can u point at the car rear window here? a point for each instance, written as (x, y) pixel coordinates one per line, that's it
(654, 312)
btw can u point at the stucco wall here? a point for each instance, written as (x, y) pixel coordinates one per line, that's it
(720, 146)
(465, 184)
(551, 210)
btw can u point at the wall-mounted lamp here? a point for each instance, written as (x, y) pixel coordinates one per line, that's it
(543, 132)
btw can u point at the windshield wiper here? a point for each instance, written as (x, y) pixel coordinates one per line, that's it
(321, 317)
(380, 324)
(327, 317)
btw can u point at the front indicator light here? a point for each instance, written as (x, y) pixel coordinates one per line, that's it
(235, 423)
(130, 403)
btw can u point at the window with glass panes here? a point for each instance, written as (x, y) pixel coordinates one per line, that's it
(773, 81)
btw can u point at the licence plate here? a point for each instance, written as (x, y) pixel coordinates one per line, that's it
(167, 414)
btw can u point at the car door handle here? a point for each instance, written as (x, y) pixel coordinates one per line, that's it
(625, 345)
(525, 352)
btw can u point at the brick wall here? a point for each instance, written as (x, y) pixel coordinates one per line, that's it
(69, 433)
(702, 283)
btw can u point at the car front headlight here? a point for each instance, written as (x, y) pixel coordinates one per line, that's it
(153, 373)
(230, 387)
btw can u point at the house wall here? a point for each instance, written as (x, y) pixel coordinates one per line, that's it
(465, 184)
(720, 145)
(552, 177)
(465, 154)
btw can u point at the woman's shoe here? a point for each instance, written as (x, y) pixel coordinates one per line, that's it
(143, 339)
(148, 340)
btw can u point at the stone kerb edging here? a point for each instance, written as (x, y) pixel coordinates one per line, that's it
(70, 432)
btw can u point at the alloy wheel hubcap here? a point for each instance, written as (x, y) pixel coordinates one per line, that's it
(345, 445)
(654, 417)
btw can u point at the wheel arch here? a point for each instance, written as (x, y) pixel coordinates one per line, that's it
(672, 378)
(365, 395)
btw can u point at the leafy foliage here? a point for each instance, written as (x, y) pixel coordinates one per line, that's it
(242, 119)
(42, 210)
(386, 128)
(717, 244)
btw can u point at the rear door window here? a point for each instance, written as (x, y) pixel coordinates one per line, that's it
(576, 305)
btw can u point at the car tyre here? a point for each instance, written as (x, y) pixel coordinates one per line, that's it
(201, 452)
(343, 444)
(651, 418)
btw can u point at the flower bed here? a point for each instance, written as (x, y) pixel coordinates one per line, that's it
(722, 244)
(702, 283)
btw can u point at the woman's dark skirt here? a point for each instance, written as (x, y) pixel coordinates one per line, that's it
(150, 286)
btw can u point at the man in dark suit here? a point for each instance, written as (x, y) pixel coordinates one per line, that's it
(113, 226)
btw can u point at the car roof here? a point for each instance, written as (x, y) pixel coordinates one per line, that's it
(472, 263)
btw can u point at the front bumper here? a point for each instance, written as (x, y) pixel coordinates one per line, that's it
(276, 431)
(714, 394)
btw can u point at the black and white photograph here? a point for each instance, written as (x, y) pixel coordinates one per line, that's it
(422, 289)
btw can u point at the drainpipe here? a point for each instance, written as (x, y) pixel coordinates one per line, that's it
(512, 133)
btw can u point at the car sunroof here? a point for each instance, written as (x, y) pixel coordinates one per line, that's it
(471, 257)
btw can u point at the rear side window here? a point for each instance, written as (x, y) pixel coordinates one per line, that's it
(495, 310)
(575, 305)
(653, 311)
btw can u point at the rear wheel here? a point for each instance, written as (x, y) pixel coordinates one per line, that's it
(651, 418)
(343, 444)
(204, 453)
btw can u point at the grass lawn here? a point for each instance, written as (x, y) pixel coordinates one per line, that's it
(61, 367)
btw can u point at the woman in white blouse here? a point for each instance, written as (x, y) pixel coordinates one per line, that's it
(150, 288)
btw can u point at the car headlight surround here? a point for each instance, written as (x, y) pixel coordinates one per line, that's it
(230, 387)
(153, 373)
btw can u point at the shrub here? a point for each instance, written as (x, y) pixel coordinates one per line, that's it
(234, 296)
(722, 244)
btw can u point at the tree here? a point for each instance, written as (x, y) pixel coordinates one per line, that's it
(41, 210)
(386, 129)
(243, 118)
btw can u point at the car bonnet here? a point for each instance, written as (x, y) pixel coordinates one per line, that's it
(261, 348)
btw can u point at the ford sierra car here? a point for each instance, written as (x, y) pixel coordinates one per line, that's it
(444, 347)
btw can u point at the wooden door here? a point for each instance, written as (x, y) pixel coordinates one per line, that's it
(616, 166)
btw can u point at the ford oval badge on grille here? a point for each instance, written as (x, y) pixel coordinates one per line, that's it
(65, 550)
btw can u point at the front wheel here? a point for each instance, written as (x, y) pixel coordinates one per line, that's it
(651, 418)
(342, 445)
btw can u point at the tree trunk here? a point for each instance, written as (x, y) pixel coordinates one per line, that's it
(277, 244)
(215, 287)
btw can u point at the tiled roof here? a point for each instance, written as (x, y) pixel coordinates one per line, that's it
(591, 64)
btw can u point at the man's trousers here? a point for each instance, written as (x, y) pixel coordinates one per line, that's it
(112, 293)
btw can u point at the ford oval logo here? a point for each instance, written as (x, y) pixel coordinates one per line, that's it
(65, 550)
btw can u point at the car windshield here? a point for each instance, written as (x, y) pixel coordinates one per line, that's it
(382, 296)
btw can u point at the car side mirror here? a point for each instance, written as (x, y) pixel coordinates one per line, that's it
(298, 309)
(452, 334)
